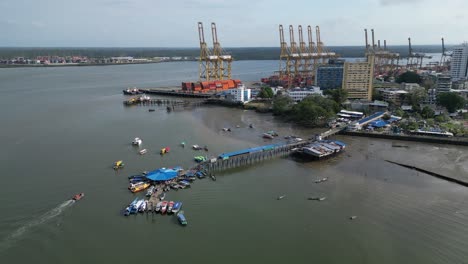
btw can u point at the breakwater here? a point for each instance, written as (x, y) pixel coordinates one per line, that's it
(438, 140)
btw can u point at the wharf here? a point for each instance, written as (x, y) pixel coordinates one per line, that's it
(176, 93)
(154, 199)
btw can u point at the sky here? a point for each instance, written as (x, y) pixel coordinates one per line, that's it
(240, 23)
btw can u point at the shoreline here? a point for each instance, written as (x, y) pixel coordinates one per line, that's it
(7, 66)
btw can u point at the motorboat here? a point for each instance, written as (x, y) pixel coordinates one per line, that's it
(138, 205)
(268, 136)
(176, 207)
(170, 206)
(163, 207)
(149, 206)
(182, 144)
(184, 183)
(151, 110)
(281, 197)
(205, 148)
(142, 206)
(251, 126)
(158, 207)
(118, 164)
(181, 218)
(143, 151)
(226, 129)
(135, 183)
(199, 158)
(196, 147)
(130, 207)
(78, 196)
(162, 196)
(139, 187)
(352, 217)
(325, 179)
(150, 191)
(132, 91)
(137, 141)
(165, 150)
(213, 177)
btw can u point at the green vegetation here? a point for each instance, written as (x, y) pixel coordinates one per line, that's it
(312, 111)
(338, 95)
(427, 112)
(265, 92)
(451, 101)
(409, 77)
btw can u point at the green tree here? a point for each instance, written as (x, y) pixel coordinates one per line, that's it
(409, 77)
(265, 92)
(282, 104)
(338, 95)
(415, 97)
(399, 112)
(427, 112)
(451, 101)
(376, 95)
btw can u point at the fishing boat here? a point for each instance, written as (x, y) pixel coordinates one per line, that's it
(142, 206)
(143, 151)
(132, 91)
(149, 206)
(176, 207)
(182, 144)
(163, 207)
(162, 196)
(205, 148)
(281, 197)
(321, 149)
(181, 218)
(199, 158)
(78, 196)
(150, 191)
(165, 150)
(184, 183)
(130, 207)
(137, 142)
(118, 164)
(170, 206)
(196, 147)
(139, 187)
(268, 136)
(213, 177)
(158, 207)
(352, 217)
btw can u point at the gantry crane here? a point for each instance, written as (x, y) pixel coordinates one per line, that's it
(222, 65)
(446, 58)
(415, 59)
(385, 62)
(207, 62)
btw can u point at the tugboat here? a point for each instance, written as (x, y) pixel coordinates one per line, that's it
(77, 197)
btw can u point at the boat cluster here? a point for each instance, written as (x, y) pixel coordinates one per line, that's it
(162, 207)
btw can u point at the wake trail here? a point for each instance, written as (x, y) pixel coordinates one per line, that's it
(18, 233)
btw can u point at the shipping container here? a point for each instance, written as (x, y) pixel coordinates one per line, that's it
(231, 84)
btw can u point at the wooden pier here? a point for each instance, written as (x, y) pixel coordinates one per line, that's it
(176, 93)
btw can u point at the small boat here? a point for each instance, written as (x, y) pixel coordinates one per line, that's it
(138, 205)
(143, 151)
(200, 175)
(78, 196)
(237, 126)
(316, 198)
(281, 197)
(150, 191)
(322, 198)
(352, 217)
(181, 218)
(162, 196)
(226, 129)
(151, 110)
(325, 179)
(158, 207)
(130, 207)
(168, 108)
(268, 136)
(139, 187)
(149, 207)
(142, 207)
(213, 177)
(175, 186)
(169, 207)
(176, 207)
(182, 144)
(318, 181)
(184, 183)
(205, 148)
(137, 142)
(199, 158)
(165, 150)
(135, 176)
(163, 207)
(118, 164)
(251, 126)
(196, 147)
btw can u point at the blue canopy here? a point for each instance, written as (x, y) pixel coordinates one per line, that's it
(163, 174)
(378, 123)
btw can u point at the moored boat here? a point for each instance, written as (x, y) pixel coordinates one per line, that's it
(150, 191)
(181, 218)
(139, 187)
(78, 196)
(169, 207)
(163, 207)
(158, 207)
(162, 196)
(176, 207)
(213, 177)
(137, 141)
(322, 149)
(268, 136)
(165, 150)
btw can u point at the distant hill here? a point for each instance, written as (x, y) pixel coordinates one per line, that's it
(247, 53)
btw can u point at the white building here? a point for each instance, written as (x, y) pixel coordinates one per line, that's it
(297, 94)
(459, 62)
(240, 94)
(409, 86)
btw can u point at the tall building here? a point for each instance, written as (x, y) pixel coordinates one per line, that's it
(358, 79)
(443, 84)
(459, 62)
(330, 76)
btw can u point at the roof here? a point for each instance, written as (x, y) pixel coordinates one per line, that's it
(376, 115)
(378, 123)
(163, 174)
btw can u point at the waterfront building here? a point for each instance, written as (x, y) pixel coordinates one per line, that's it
(330, 76)
(443, 84)
(358, 79)
(459, 63)
(239, 94)
(297, 94)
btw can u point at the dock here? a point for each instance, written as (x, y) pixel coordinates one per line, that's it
(176, 93)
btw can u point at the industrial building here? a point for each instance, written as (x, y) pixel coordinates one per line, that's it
(459, 63)
(330, 76)
(358, 79)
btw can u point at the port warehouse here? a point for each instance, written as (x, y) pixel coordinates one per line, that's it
(210, 86)
(226, 156)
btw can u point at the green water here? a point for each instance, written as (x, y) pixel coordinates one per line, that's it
(62, 128)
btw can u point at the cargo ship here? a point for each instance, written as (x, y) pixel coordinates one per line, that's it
(321, 149)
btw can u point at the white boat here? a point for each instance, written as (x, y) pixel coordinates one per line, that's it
(139, 204)
(137, 142)
(196, 147)
(143, 151)
(158, 207)
(150, 191)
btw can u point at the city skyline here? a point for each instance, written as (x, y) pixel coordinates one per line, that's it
(146, 23)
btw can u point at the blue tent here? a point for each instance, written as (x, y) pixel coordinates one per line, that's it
(163, 174)
(378, 123)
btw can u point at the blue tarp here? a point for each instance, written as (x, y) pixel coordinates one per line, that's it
(378, 123)
(377, 114)
(163, 174)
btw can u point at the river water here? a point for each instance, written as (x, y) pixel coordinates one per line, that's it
(62, 128)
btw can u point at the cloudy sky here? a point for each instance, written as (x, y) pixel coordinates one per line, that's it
(240, 23)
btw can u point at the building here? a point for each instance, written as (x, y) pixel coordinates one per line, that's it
(297, 94)
(443, 83)
(386, 85)
(431, 97)
(358, 79)
(459, 62)
(409, 86)
(330, 76)
(239, 94)
(394, 96)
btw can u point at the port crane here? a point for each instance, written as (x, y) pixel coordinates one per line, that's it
(385, 62)
(415, 59)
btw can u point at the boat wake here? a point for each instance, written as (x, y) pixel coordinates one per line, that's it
(18, 233)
